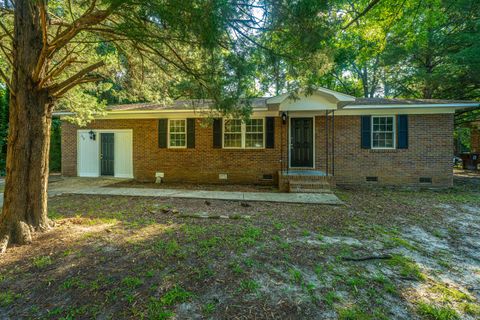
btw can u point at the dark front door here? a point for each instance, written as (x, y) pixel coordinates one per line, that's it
(106, 154)
(301, 142)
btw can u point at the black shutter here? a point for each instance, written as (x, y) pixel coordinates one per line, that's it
(191, 133)
(217, 133)
(270, 131)
(366, 132)
(403, 131)
(162, 133)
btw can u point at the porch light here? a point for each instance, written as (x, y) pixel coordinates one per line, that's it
(92, 135)
(284, 117)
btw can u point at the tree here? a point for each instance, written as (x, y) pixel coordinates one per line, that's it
(64, 54)
(433, 51)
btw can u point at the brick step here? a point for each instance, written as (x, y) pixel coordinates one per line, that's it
(309, 187)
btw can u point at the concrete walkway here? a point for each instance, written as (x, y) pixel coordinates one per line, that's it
(99, 186)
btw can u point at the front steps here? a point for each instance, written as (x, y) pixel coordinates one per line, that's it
(306, 182)
(309, 187)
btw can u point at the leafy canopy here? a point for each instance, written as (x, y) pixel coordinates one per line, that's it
(118, 51)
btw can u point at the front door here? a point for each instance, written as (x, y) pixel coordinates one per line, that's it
(106, 154)
(301, 142)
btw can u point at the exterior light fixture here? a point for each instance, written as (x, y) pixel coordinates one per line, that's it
(92, 135)
(284, 117)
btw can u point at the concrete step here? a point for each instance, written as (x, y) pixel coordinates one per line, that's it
(309, 187)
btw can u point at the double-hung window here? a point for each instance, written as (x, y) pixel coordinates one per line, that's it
(383, 132)
(177, 133)
(243, 134)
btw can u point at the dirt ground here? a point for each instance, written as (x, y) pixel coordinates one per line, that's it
(386, 254)
(190, 186)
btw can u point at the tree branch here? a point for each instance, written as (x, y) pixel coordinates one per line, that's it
(7, 81)
(89, 18)
(361, 14)
(67, 83)
(75, 83)
(43, 54)
(7, 56)
(57, 70)
(6, 30)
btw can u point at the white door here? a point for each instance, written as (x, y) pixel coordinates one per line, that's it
(88, 149)
(88, 153)
(123, 154)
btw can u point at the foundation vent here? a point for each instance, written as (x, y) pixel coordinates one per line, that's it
(267, 177)
(222, 176)
(372, 179)
(425, 180)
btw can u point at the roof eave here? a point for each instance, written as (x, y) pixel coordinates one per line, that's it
(409, 106)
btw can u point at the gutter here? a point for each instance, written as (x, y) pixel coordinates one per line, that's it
(398, 106)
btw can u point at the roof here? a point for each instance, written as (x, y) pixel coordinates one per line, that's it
(320, 100)
(404, 102)
(180, 105)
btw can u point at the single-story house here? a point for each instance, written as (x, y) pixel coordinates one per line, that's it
(300, 144)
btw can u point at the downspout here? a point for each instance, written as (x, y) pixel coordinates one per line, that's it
(333, 143)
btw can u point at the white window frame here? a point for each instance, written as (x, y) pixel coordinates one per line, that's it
(394, 132)
(168, 134)
(244, 134)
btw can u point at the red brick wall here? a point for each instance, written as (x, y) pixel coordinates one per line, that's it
(199, 165)
(475, 140)
(429, 154)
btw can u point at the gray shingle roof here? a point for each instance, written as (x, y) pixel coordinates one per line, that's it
(384, 101)
(178, 105)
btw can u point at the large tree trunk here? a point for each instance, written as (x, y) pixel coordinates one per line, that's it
(25, 196)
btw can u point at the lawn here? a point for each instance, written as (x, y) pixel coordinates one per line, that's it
(115, 257)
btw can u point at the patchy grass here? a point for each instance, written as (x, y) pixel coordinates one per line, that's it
(42, 262)
(136, 258)
(432, 312)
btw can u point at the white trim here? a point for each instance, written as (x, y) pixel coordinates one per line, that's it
(168, 134)
(289, 142)
(394, 122)
(207, 110)
(400, 106)
(243, 134)
(319, 91)
(365, 112)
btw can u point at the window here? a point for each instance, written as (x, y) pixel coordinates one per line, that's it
(383, 132)
(232, 137)
(243, 134)
(254, 133)
(177, 133)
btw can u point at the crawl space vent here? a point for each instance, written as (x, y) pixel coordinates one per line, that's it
(425, 180)
(372, 179)
(267, 177)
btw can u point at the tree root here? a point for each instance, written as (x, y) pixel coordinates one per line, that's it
(380, 257)
(20, 233)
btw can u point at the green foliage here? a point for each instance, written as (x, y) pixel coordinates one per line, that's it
(249, 285)
(175, 295)
(353, 313)
(132, 282)
(55, 147)
(407, 267)
(42, 262)
(7, 298)
(432, 312)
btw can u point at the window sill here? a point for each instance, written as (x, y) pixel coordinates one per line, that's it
(243, 149)
(386, 150)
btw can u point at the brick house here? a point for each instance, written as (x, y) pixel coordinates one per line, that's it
(299, 144)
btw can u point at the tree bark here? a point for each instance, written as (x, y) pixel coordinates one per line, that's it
(25, 195)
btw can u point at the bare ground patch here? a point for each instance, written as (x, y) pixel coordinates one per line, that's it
(127, 257)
